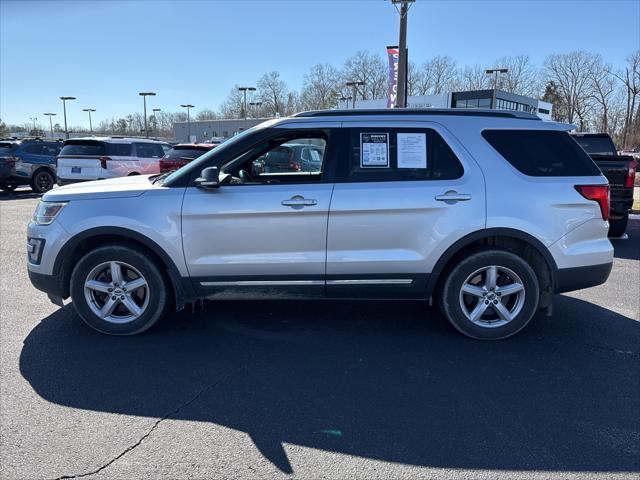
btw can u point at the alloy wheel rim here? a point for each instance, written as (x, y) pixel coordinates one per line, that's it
(492, 296)
(44, 181)
(116, 292)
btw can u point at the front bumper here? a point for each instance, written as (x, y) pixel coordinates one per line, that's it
(52, 285)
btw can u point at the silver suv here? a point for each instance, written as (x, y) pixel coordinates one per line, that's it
(486, 213)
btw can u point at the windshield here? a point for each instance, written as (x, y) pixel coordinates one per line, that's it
(220, 150)
(596, 145)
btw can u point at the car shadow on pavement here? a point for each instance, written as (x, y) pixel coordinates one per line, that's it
(18, 195)
(379, 380)
(629, 248)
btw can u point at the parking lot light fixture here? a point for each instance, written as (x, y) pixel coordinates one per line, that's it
(255, 106)
(64, 107)
(144, 96)
(244, 90)
(188, 106)
(89, 110)
(155, 118)
(50, 121)
(33, 119)
(495, 72)
(354, 87)
(346, 100)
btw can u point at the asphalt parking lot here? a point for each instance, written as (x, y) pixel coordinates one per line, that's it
(268, 389)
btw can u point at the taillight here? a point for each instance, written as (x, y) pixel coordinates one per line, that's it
(598, 193)
(103, 162)
(631, 174)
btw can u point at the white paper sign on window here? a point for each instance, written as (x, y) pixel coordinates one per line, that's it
(412, 150)
(374, 150)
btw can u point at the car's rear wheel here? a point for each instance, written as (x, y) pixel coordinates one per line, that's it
(490, 295)
(42, 181)
(118, 290)
(617, 226)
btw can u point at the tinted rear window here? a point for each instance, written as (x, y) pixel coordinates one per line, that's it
(119, 149)
(596, 145)
(84, 148)
(190, 153)
(149, 150)
(542, 153)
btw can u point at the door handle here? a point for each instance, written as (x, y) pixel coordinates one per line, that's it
(452, 197)
(298, 201)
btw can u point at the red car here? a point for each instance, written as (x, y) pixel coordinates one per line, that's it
(182, 154)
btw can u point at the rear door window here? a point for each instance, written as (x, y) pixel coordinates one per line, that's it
(542, 153)
(596, 145)
(149, 150)
(33, 149)
(405, 154)
(119, 149)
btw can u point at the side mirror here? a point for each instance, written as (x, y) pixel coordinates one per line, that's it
(208, 178)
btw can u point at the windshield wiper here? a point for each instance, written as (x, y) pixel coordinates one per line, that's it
(159, 178)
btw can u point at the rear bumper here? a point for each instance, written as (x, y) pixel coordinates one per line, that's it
(577, 278)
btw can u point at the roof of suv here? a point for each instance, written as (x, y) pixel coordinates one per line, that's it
(466, 112)
(116, 139)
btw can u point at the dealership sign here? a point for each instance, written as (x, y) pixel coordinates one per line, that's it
(392, 93)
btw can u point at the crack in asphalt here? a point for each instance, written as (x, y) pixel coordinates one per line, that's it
(165, 417)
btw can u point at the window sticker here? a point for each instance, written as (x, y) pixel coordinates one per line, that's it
(374, 150)
(412, 150)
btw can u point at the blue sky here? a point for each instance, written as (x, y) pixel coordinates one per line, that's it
(106, 52)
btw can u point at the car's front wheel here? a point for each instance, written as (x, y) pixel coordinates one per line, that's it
(490, 295)
(118, 290)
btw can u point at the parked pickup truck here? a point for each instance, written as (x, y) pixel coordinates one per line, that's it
(620, 170)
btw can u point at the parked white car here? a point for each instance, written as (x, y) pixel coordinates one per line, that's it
(485, 213)
(95, 158)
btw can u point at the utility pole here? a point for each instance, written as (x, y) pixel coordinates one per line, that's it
(89, 110)
(354, 88)
(50, 122)
(144, 96)
(401, 100)
(244, 90)
(64, 107)
(495, 72)
(188, 106)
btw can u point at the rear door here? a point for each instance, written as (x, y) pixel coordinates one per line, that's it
(148, 157)
(404, 192)
(81, 160)
(30, 158)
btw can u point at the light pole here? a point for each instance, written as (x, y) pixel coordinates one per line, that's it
(495, 72)
(188, 106)
(89, 110)
(346, 100)
(255, 106)
(155, 119)
(144, 96)
(354, 87)
(33, 119)
(244, 90)
(50, 121)
(64, 107)
(401, 99)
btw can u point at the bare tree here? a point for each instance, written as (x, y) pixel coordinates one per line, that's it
(206, 114)
(570, 74)
(602, 86)
(232, 106)
(475, 78)
(521, 78)
(368, 68)
(630, 77)
(440, 73)
(321, 87)
(273, 92)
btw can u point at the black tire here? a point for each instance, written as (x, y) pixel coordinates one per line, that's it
(524, 307)
(618, 226)
(8, 188)
(156, 294)
(42, 181)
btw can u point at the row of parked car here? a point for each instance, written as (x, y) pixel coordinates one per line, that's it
(42, 163)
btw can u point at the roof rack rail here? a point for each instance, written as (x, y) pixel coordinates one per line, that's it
(467, 112)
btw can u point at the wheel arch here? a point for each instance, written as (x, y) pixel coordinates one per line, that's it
(86, 241)
(513, 240)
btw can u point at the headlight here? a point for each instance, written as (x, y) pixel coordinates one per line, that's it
(46, 212)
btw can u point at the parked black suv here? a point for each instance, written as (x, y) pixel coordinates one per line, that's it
(28, 162)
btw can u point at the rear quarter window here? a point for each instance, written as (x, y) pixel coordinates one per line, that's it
(542, 153)
(149, 150)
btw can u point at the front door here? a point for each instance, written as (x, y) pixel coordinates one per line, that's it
(404, 192)
(265, 228)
